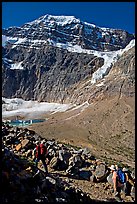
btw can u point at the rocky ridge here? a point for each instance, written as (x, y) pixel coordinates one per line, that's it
(65, 30)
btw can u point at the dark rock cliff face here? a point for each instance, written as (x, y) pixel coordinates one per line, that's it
(56, 75)
(47, 73)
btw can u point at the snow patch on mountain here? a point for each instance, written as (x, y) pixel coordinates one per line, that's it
(12, 65)
(16, 66)
(6, 39)
(129, 46)
(82, 106)
(20, 41)
(7, 60)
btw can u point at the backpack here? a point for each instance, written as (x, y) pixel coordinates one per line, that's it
(43, 149)
(121, 176)
(37, 151)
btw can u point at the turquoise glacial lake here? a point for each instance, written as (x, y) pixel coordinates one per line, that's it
(25, 122)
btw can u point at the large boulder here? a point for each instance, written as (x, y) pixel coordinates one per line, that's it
(101, 172)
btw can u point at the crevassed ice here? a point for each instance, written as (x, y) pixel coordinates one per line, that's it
(109, 59)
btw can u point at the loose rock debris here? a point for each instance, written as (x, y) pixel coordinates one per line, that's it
(23, 181)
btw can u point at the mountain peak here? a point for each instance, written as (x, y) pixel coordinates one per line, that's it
(59, 20)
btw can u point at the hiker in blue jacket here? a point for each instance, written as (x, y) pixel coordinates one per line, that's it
(118, 184)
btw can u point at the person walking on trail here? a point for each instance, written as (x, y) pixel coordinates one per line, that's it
(129, 181)
(117, 184)
(41, 153)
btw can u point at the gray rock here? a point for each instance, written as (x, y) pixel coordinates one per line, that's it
(50, 143)
(133, 174)
(21, 134)
(92, 178)
(100, 172)
(61, 200)
(86, 151)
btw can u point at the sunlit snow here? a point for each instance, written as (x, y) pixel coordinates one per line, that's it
(16, 66)
(109, 59)
(19, 107)
(60, 20)
(6, 39)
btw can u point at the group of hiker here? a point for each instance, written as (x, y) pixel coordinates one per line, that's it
(121, 179)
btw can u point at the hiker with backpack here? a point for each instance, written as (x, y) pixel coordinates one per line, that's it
(40, 154)
(119, 180)
(129, 181)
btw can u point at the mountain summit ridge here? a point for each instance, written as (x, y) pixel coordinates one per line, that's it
(68, 29)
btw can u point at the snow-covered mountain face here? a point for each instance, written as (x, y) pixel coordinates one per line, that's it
(66, 31)
(47, 59)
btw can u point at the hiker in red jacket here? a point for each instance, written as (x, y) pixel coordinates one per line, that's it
(40, 153)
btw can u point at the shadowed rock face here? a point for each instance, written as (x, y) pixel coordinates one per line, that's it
(54, 74)
(123, 71)
(47, 73)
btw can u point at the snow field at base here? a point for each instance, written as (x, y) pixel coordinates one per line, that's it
(17, 106)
